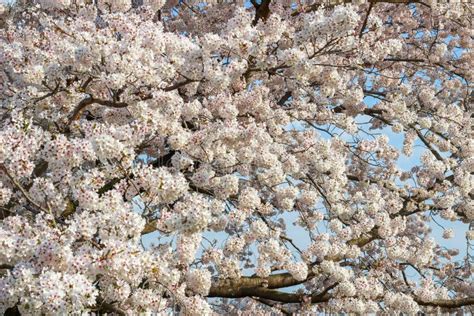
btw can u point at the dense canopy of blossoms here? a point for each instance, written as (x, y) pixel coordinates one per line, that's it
(205, 157)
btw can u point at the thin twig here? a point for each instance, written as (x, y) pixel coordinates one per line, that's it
(22, 190)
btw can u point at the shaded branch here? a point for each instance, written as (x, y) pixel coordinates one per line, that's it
(53, 92)
(448, 303)
(262, 11)
(91, 100)
(274, 295)
(179, 85)
(6, 267)
(284, 98)
(79, 109)
(364, 24)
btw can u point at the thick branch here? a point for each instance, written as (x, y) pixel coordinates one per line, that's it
(274, 295)
(449, 303)
(113, 104)
(6, 266)
(262, 11)
(91, 100)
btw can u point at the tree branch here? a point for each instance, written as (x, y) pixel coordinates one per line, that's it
(91, 100)
(428, 144)
(274, 295)
(366, 19)
(262, 11)
(113, 104)
(22, 190)
(316, 6)
(449, 303)
(6, 266)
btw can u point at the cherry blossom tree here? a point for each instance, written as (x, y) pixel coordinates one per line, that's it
(160, 157)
